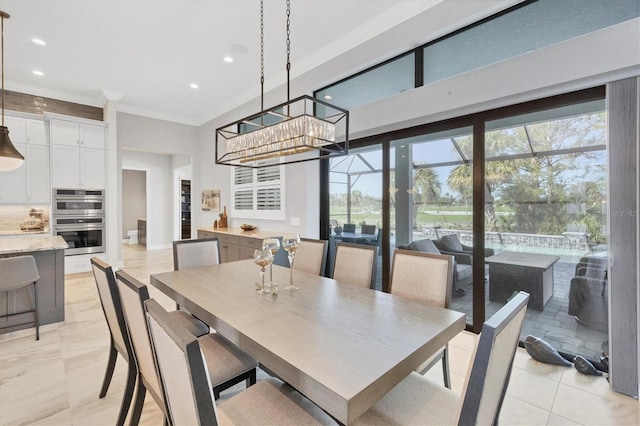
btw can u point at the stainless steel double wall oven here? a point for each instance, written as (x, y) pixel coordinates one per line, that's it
(78, 216)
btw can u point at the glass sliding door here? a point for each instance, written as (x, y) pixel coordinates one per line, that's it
(355, 201)
(545, 219)
(431, 197)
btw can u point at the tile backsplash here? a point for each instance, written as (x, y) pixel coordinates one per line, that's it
(12, 216)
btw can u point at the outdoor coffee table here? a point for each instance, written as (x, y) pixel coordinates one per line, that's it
(533, 273)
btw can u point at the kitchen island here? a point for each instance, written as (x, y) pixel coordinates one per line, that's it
(48, 252)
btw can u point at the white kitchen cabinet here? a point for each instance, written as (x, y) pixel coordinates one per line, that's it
(78, 154)
(38, 166)
(30, 182)
(13, 184)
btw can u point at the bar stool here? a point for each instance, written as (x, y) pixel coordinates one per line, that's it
(17, 273)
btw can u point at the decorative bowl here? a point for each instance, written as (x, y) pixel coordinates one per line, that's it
(247, 227)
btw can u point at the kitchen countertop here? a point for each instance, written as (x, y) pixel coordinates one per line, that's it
(19, 232)
(29, 244)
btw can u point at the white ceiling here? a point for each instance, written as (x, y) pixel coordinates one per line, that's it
(145, 53)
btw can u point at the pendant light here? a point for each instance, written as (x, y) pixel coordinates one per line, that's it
(10, 158)
(298, 130)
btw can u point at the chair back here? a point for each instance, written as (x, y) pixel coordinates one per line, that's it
(111, 305)
(355, 264)
(18, 272)
(133, 294)
(349, 227)
(487, 383)
(311, 256)
(185, 378)
(196, 253)
(368, 229)
(427, 277)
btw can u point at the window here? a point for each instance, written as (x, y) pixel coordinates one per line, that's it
(258, 193)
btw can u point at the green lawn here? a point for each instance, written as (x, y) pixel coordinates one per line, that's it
(446, 216)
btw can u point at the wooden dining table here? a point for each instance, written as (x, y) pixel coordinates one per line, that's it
(343, 347)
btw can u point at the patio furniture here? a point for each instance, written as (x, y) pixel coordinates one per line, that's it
(512, 272)
(588, 298)
(368, 229)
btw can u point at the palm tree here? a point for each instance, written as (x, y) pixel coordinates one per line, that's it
(356, 198)
(426, 187)
(496, 172)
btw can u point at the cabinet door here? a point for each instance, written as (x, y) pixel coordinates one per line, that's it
(245, 252)
(66, 166)
(38, 185)
(16, 129)
(92, 168)
(92, 136)
(65, 133)
(13, 184)
(36, 132)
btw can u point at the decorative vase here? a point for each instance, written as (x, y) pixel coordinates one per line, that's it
(338, 230)
(223, 219)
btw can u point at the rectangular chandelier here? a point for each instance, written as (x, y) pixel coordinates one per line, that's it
(302, 129)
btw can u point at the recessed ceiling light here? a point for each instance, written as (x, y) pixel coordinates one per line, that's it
(228, 59)
(328, 97)
(38, 73)
(194, 85)
(39, 42)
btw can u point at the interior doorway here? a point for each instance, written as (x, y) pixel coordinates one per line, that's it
(134, 203)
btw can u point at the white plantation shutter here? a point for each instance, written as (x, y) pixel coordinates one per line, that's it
(268, 199)
(243, 199)
(268, 174)
(258, 193)
(242, 176)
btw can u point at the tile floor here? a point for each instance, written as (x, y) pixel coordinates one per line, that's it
(56, 381)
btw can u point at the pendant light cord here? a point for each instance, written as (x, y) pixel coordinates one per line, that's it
(261, 59)
(288, 52)
(2, 36)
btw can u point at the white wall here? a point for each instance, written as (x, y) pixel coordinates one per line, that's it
(151, 135)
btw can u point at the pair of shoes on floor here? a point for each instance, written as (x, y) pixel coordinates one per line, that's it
(458, 292)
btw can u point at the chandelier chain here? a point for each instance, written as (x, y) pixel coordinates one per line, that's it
(288, 50)
(2, 35)
(261, 55)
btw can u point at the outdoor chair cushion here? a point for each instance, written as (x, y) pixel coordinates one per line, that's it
(451, 243)
(426, 246)
(463, 273)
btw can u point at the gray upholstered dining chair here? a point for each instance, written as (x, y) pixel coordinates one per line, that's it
(355, 264)
(311, 256)
(196, 253)
(417, 400)
(186, 381)
(426, 277)
(189, 254)
(349, 227)
(235, 365)
(118, 333)
(368, 229)
(16, 273)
